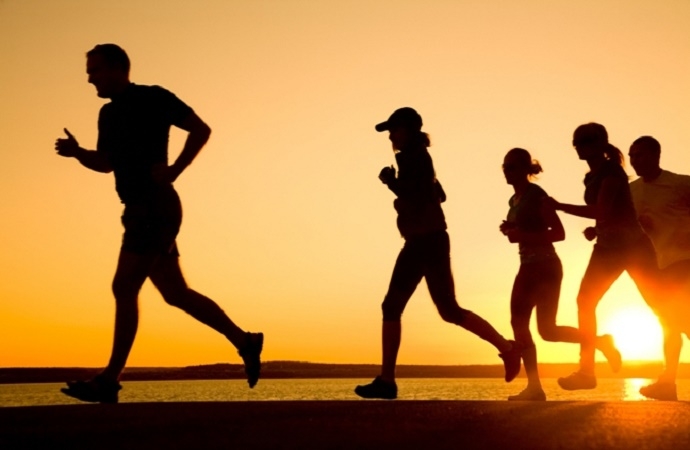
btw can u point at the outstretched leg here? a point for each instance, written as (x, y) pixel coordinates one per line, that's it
(605, 266)
(167, 276)
(439, 280)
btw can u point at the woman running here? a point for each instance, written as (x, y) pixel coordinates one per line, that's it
(425, 254)
(621, 243)
(535, 227)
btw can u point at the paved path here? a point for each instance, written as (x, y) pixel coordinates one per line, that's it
(376, 425)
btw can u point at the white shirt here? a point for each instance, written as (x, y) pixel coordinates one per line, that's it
(663, 206)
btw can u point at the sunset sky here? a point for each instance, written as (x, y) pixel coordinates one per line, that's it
(286, 225)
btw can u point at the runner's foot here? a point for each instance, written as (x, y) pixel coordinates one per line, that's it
(529, 394)
(577, 380)
(96, 390)
(660, 391)
(251, 355)
(378, 389)
(511, 361)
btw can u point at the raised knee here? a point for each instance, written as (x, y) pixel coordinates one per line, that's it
(455, 315)
(172, 299)
(547, 333)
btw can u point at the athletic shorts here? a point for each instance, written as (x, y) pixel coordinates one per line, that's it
(151, 225)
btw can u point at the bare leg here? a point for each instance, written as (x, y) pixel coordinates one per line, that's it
(483, 329)
(673, 343)
(391, 332)
(132, 270)
(605, 266)
(549, 330)
(168, 279)
(529, 350)
(439, 280)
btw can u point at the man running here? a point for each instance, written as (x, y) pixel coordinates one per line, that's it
(662, 202)
(133, 131)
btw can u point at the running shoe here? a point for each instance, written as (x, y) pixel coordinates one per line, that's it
(378, 389)
(251, 355)
(529, 394)
(660, 391)
(608, 348)
(96, 390)
(511, 361)
(577, 380)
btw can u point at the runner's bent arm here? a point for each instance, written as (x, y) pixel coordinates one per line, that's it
(91, 159)
(198, 135)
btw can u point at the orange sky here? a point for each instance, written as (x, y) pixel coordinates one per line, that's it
(286, 225)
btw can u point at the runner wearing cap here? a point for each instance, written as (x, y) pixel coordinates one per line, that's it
(425, 254)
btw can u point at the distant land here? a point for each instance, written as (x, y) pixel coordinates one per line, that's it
(298, 369)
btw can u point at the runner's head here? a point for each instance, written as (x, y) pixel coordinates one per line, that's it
(518, 165)
(107, 66)
(405, 129)
(645, 155)
(591, 141)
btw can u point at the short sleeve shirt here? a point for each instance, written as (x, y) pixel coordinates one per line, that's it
(665, 202)
(133, 131)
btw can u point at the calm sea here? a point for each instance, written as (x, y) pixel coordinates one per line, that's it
(329, 389)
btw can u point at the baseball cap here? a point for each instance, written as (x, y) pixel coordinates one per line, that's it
(403, 117)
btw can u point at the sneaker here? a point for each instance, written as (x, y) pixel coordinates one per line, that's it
(96, 390)
(511, 361)
(577, 380)
(251, 355)
(660, 391)
(378, 389)
(608, 348)
(529, 394)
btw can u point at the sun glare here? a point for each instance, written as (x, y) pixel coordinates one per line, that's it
(637, 333)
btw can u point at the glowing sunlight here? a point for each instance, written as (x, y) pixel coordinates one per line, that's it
(637, 333)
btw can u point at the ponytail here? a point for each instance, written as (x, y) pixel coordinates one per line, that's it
(424, 139)
(612, 153)
(532, 166)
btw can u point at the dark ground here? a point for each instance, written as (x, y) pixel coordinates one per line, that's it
(351, 425)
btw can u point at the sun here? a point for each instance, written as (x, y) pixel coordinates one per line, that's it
(637, 333)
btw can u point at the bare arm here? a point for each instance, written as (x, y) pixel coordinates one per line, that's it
(198, 135)
(91, 159)
(610, 187)
(586, 211)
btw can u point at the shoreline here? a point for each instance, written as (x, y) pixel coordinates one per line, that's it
(306, 370)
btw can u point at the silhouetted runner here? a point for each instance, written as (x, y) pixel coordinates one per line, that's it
(133, 133)
(534, 227)
(425, 254)
(621, 243)
(662, 201)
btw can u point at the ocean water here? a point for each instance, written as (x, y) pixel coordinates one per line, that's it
(330, 389)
